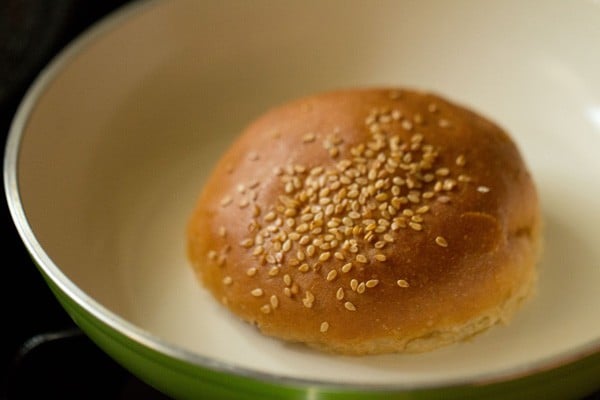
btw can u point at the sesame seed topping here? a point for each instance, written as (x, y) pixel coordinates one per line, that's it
(441, 241)
(227, 280)
(402, 283)
(349, 306)
(257, 292)
(483, 189)
(324, 327)
(350, 207)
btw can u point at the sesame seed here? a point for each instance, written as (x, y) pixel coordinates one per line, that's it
(380, 257)
(402, 283)
(422, 209)
(265, 308)
(257, 292)
(346, 268)
(483, 189)
(227, 280)
(361, 258)
(247, 243)
(308, 138)
(251, 271)
(287, 279)
(442, 171)
(274, 300)
(371, 283)
(449, 184)
(441, 241)
(303, 268)
(361, 288)
(443, 123)
(243, 203)
(415, 226)
(274, 271)
(226, 201)
(353, 284)
(287, 245)
(339, 294)
(443, 199)
(270, 216)
(308, 299)
(349, 306)
(461, 160)
(380, 244)
(324, 256)
(331, 275)
(212, 255)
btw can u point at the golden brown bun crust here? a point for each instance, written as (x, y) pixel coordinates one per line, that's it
(460, 263)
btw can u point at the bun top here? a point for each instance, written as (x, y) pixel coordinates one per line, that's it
(355, 215)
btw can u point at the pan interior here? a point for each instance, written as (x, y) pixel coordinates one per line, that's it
(118, 145)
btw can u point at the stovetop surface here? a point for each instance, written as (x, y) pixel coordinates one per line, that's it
(43, 351)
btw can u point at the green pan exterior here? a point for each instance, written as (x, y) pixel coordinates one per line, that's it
(182, 379)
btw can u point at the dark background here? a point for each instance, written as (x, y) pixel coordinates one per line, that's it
(42, 352)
